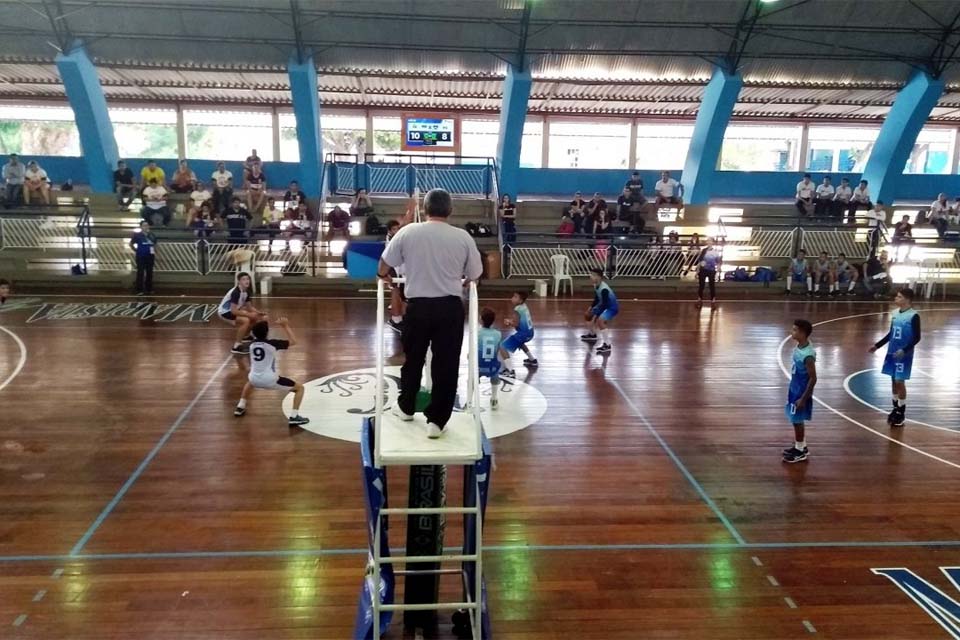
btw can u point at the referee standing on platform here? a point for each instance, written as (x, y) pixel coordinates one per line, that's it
(436, 257)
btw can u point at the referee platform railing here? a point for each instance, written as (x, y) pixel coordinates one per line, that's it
(404, 443)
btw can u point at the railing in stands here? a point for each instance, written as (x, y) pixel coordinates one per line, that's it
(402, 173)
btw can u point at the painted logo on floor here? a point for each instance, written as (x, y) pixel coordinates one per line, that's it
(337, 404)
(140, 310)
(938, 605)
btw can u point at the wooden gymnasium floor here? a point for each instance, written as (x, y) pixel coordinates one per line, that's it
(648, 502)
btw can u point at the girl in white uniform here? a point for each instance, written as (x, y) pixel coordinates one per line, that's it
(263, 369)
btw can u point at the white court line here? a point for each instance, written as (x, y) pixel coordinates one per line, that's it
(786, 373)
(846, 387)
(23, 357)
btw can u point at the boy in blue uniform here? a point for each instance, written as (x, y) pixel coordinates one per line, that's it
(800, 272)
(903, 336)
(605, 307)
(489, 351)
(799, 406)
(523, 331)
(846, 273)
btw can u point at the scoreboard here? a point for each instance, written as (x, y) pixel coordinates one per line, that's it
(431, 132)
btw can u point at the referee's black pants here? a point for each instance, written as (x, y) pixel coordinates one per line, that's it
(435, 323)
(145, 273)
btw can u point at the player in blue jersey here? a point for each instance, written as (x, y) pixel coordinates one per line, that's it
(489, 353)
(903, 336)
(605, 307)
(800, 272)
(803, 379)
(522, 323)
(845, 273)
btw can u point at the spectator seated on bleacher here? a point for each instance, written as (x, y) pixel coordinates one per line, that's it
(628, 210)
(149, 172)
(602, 225)
(566, 229)
(123, 185)
(256, 186)
(155, 208)
(841, 199)
(251, 160)
(938, 214)
(237, 219)
(578, 202)
(507, 212)
(804, 196)
(859, 200)
(669, 191)
(184, 179)
(199, 195)
(203, 222)
(293, 196)
(14, 174)
(339, 223)
(635, 186)
(903, 231)
(222, 188)
(575, 214)
(876, 275)
(372, 226)
(823, 202)
(361, 204)
(954, 215)
(36, 185)
(302, 221)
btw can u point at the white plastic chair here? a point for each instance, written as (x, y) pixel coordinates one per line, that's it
(561, 272)
(244, 260)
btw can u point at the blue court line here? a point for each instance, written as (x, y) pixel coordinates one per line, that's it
(85, 538)
(502, 548)
(682, 467)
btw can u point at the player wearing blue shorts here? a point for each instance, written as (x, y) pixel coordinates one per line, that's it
(605, 307)
(489, 352)
(523, 331)
(823, 272)
(800, 272)
(846, 273)
(903, 336)
(799, 406)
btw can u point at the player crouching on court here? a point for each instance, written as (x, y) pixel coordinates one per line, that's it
(799, 408)
(263, 369)
(605, 308)
(903, 336)
(522, 323)
(237, 309)
(489, 350)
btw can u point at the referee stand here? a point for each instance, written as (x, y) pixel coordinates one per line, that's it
(388, 442)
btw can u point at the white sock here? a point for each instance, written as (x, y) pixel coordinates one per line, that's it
(494, 390)
(817, 288)
(833, 287)
(850, 286)
(605, 336)
(396, 318)
(903, 403)
(242, 404)
(896, 401)
(789, 282)
(801, 445)
(809, 283)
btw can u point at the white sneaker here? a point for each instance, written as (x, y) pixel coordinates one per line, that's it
(433, 431)
(494, 404)
(398, 412)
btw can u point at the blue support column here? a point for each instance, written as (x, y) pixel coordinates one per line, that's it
(899, 133)
(513, 113)
(89, 106)
(719, 98)
(306, 109)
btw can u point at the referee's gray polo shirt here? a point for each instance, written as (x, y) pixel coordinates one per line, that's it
(435, 258)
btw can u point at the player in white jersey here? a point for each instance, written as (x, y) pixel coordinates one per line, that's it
(263, 369)
(237, 309)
